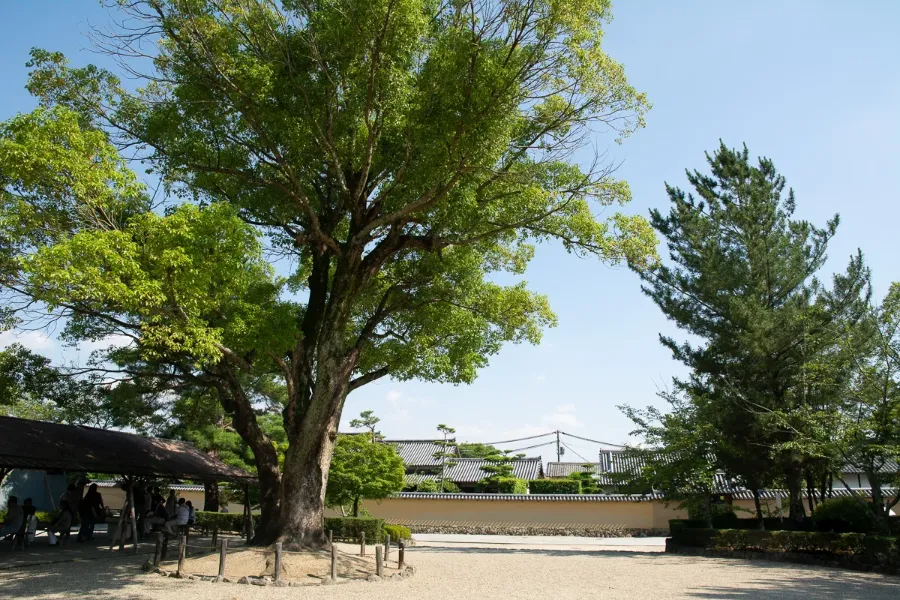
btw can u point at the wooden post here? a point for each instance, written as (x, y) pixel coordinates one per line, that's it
(277, 561)
(248, 514)
(387, 546)
(182, 542)
(330, 538)
(157, 553)
(379, 564)
(112, 538)
(215, 536)
(222, 553)
(333, 563)
(134, 531)
(362, 543)
(401, 559)
(49, 491)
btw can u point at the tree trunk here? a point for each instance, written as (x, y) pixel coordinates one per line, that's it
(356, 506)
(760, 522)
(211, 496)
(794, 481)
(301, 518)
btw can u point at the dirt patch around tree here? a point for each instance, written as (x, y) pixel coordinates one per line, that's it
(310, 567)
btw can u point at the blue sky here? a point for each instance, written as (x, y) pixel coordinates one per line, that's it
(813, 85)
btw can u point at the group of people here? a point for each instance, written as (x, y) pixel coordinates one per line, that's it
(168, 513)
(151, 509)
(16, 518)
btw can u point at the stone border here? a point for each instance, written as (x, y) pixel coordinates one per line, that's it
(798, 558)
(147, 567)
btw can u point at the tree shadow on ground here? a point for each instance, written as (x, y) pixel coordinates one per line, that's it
(118, 578)
(816, 582)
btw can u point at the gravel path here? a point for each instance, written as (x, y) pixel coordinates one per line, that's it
(463, 573)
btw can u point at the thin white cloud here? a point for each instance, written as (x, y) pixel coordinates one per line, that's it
(36, 341)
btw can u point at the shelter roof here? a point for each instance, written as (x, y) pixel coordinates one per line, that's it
(26, 444)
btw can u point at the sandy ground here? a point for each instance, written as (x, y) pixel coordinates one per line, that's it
(462, 573)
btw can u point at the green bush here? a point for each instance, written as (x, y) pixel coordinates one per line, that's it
(865, 549)
(350, 528)
(555, 486)
(398, 532)
(512, 485)
(844, 515)
(225, 522)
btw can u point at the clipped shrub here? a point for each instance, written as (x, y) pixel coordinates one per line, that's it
(225, 522)
(861, 548)
(398, 532)
(844, 515)
(350, 528)
(554, 486)
(512, 485)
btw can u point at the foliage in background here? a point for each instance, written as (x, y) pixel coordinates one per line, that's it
(476, 450)
(446, 453)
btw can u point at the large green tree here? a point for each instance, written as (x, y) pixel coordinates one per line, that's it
(390, 156)
(741, 280)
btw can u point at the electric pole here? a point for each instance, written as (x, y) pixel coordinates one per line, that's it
(557, 446)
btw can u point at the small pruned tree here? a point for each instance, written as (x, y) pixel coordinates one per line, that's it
(367, 420)
(446, 453)
(588, 478)
(499, 473)
(363, 469)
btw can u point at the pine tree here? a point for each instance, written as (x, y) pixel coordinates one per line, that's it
(742, 279)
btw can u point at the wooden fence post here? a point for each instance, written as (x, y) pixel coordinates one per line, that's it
(182, 543)
(277, 562)
(379, 564)
(330, 538)
(387, 546)
(362, 543)
(215, 536)
(333, 563)
(134, 529)
(222, 553)
(401, 560)
(157, 553)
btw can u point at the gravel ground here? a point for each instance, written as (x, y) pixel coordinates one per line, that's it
(461, 573)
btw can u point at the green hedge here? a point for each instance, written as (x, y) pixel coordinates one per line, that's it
(723, 522)
(512, 485)
(398, 532)
(865, 549)
(224, 522)
(349, 528)
(555, 486)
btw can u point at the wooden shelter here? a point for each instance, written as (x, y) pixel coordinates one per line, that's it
(26, 444)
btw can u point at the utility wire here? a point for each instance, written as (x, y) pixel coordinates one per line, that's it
(576, 454)
(533, 437)
(530, 447)
(578, 437)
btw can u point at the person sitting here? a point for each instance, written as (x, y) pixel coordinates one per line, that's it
(15, 516)
(182, 514)
(193, 516)
(171, 501)
(160, 518)
(62, 525)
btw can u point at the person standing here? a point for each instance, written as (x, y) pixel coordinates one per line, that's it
(92, 512)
